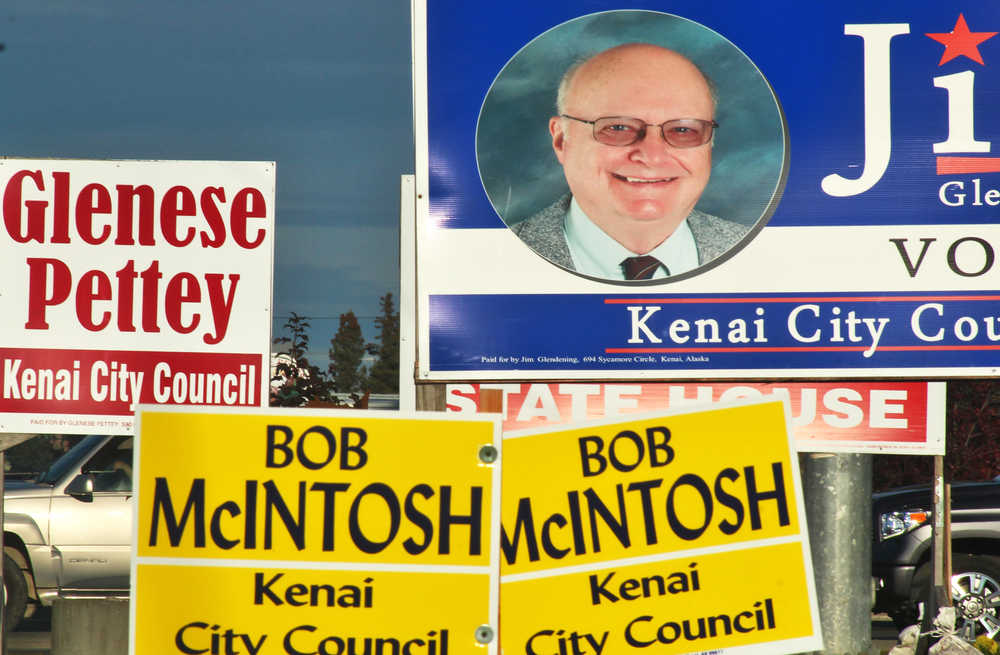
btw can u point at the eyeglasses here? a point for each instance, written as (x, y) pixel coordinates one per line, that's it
(625, 130)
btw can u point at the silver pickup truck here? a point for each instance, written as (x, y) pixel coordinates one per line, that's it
(69, 530)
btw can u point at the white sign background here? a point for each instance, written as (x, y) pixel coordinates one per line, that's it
(129, 281)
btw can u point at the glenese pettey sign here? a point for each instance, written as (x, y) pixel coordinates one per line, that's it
(675, 533)
(128, 282)
(311, 532)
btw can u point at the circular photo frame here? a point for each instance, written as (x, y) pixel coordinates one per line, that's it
(523, 177)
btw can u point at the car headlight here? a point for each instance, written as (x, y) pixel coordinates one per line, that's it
(893, 524)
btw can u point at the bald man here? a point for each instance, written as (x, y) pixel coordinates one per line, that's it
(634, 136)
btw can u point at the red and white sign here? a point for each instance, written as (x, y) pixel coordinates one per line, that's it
(858, 417)
(127, 282)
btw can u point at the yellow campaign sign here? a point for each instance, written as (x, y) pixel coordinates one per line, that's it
(307, 611)
(680, 532)
(315, 532)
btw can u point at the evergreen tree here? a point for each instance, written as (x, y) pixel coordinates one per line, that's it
(384, 376)
(300, 381)
(347, 348)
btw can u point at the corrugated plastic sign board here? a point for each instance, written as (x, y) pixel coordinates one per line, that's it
(678, 533)
(275, 531)
(888, 416)
(127, 282)
(855, 145)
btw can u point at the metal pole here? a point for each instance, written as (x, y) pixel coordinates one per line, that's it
(946, 542)
(939, 555)
(837, 490)
(939, 595)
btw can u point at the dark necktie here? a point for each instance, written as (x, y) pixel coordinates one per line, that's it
(641, 267)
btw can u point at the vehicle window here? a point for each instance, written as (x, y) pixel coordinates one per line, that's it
(28, 459)
(111, 466)
(62, 466)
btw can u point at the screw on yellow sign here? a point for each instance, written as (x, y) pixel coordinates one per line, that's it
(674, 533)
(334, 532)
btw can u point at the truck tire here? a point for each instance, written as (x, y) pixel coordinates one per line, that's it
(974, 578)
(16, 594)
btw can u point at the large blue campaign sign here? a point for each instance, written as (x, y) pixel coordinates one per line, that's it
(853, 164)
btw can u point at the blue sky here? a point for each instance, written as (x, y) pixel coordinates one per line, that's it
(322, 87)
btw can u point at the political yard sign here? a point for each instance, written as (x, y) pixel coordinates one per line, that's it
(855, 146)
(888, 416)
(278, 532)
(677, 533)
(128, 282)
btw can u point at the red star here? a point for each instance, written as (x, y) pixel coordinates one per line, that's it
(961, 42)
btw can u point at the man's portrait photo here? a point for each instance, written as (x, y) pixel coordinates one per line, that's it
(632, 147)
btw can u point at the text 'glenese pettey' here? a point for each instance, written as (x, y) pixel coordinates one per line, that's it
(40, 208)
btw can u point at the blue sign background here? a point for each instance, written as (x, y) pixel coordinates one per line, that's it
(817, 74)
(815, 70)
(772, 331)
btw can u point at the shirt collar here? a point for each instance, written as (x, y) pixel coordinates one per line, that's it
(597, 254)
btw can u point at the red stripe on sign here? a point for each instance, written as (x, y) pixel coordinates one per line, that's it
(792, 349)
(107, 382)
(959, 165)
(858, 412)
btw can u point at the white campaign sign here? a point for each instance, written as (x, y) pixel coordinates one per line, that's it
(132, 281)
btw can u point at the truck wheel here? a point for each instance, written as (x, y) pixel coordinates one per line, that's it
(974, 579)
(15, 594)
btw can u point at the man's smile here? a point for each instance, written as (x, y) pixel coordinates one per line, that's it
(642, 180)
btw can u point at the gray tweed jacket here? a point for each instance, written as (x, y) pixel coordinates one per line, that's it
(544, 234)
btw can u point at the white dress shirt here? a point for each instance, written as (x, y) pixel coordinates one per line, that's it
(597, 254)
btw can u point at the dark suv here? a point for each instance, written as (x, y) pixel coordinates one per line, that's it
(902, 549)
